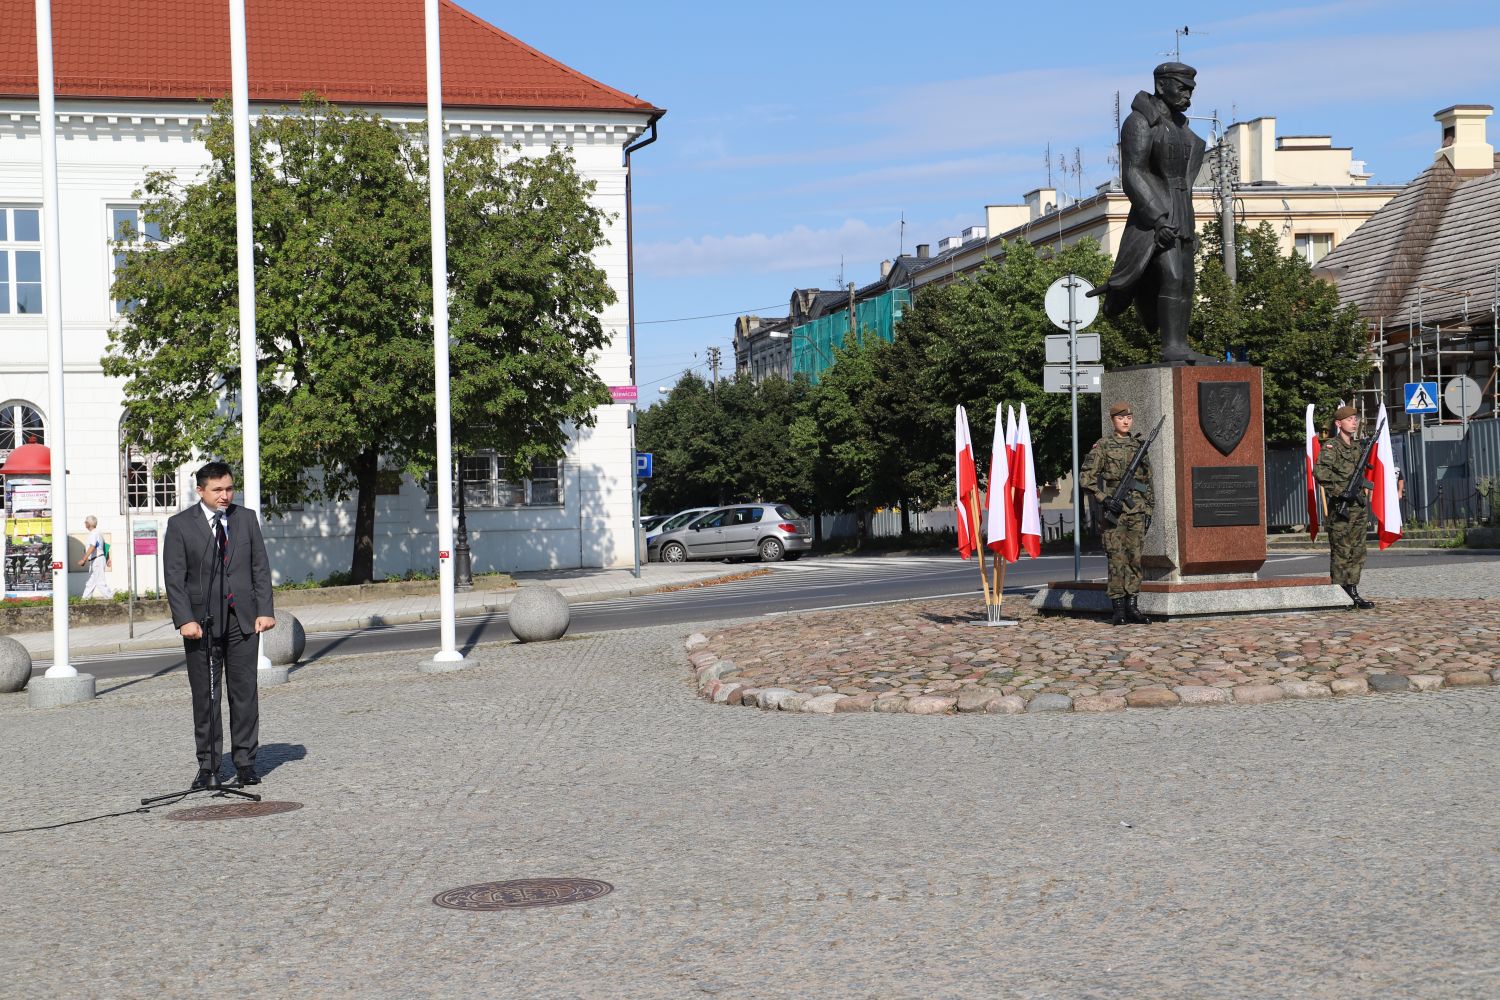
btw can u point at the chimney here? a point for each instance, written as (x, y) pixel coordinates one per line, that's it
(885, 269)
(1464, 144)
(924, 251)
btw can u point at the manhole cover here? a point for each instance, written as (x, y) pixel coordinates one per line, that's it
(522, 893)
(235, 810)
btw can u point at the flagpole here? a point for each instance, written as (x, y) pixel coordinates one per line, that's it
(448, 656)
(62, 683)
(984, 579)
(244, 233)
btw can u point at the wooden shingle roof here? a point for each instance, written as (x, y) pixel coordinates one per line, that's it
(1439, 235)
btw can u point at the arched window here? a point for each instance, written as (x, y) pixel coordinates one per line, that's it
(140, 489)
(20, 423)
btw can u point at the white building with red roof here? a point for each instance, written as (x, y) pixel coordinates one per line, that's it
(134, 82)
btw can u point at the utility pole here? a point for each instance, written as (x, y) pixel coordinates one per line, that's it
(713, 364)
(853, 329)
(1226, 205)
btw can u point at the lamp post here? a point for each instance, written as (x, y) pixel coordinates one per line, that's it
(463, 563)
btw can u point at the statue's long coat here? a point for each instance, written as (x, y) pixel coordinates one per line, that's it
(1159, 157)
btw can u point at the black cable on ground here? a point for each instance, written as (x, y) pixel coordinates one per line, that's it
(90, 819)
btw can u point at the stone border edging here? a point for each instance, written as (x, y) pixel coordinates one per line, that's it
(710, 673)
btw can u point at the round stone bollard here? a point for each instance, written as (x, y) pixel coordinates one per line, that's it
(538, 614)
(284, 643)
(15, 665)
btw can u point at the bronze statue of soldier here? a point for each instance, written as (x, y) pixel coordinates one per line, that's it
(1159, 157)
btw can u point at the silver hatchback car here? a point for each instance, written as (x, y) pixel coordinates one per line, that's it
(770, 531)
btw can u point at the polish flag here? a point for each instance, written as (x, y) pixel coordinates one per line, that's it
(1385, 500)
(1010, 551)
(1028, 505)
(998, 533)
(1310, 458)
(967, 483)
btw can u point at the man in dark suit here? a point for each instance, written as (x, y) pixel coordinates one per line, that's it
(218, 583)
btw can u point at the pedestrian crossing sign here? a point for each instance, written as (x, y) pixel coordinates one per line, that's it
(1421, 397)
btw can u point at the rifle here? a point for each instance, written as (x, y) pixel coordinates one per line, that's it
(1127, 481)
(1351, 495)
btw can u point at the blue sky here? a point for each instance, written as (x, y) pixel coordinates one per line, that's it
(798, 134)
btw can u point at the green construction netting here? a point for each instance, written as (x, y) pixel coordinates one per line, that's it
(813, 343)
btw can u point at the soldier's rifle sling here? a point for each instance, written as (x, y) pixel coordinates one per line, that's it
(1127, 481)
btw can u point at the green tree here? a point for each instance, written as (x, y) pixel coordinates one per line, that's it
(844, 459)
(1282, 318)
(344, 307)
(980, 342)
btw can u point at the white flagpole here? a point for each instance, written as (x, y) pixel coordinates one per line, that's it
(449, 653)
(71, 685)
(239, 87)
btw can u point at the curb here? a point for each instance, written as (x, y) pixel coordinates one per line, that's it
(714, 681)
(404, 618)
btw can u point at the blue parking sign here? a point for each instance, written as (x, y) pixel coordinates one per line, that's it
(1421, 397)
(643, 465)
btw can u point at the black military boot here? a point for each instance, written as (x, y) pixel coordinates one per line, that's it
(1359, 602)
(1173, 313)
(1118, 603)
(1133, 613)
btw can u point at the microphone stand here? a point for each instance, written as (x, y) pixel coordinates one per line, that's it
(216, 661)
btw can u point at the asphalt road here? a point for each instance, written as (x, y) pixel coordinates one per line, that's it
(819, 584)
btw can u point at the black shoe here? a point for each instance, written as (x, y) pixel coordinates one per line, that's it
(247, 775)
(1359, 602)
(205, 779)
(1118, 618)
(1133, 613)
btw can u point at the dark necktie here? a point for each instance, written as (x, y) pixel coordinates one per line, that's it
(221, 541)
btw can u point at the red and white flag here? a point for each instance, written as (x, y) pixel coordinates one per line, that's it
(1028, 503)
(967, 483)
(1010, 548)
(996, 531)
(1385, 501)
(1310, 459)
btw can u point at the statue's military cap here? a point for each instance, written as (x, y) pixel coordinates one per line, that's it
(1177, 71)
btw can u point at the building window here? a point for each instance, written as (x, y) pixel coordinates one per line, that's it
(20, 261)
(127, 234)
(145, 491)
(485, 484)
(1314, 246)
(20, 423)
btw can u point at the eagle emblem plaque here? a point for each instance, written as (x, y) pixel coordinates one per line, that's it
(1224, 413)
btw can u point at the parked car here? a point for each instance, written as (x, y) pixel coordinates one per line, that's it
(651, 521)
(672, 522)
(769, 531)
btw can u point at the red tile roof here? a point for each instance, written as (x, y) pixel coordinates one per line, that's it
(349, 51)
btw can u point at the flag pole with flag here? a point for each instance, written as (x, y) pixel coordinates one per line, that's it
(966, 496)
(1011, 550)
(1028, 503)
(1385, 499)
(1310, 459)
(997, 530)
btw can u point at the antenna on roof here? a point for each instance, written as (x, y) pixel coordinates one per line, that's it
(1048, 158)
(1180, 33)
(901, 245)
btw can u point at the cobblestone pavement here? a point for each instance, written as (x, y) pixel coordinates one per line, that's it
(928, 658)
(1340, 849)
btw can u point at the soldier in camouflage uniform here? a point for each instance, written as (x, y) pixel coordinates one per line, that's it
(1100, 475)
(1346, 538)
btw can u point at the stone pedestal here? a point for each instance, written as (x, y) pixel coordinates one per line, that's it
(52, 692)
(1207, 541)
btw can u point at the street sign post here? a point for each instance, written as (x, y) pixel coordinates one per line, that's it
(643, 464)
(1059, 354)
(1061, 378)
(1069, 306)
(623, 393)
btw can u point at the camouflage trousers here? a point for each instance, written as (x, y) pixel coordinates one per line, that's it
(1122, 546)
(1346, 547)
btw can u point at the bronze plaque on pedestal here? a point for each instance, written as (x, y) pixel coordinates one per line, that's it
(1226, 495)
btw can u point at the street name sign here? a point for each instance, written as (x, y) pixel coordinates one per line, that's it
(1055, 378)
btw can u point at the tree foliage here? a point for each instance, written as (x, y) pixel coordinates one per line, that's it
(1282, 318)
(344, 307)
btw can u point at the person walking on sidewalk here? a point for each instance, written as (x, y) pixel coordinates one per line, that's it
(96, 557)
(1346, 535)
(217, 575)
(1123, 542)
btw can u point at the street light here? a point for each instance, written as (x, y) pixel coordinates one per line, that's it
(794, 337)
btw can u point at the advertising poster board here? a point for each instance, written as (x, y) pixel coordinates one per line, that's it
(28, 537)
